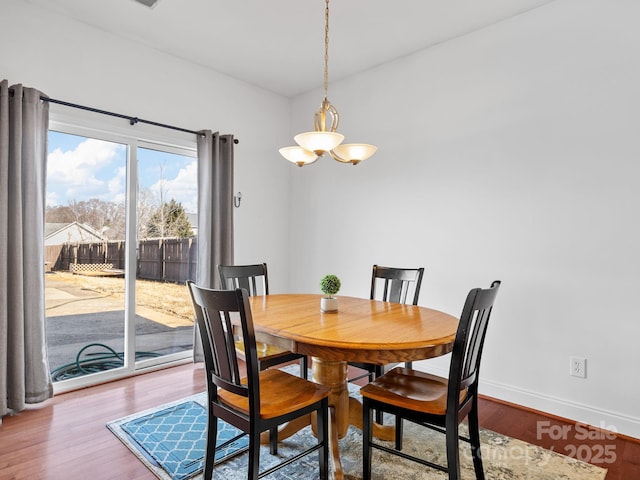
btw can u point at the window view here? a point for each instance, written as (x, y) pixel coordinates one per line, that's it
(166, 251)
(109, 306)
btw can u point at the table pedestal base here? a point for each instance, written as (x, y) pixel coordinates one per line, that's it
(343, 411)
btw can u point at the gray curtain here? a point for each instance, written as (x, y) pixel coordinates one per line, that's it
(24, 371)
(215, 212)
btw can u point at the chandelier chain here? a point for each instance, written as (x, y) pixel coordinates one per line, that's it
(326, 48)
(324, 138)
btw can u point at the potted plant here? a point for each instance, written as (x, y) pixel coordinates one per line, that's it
(330, 285)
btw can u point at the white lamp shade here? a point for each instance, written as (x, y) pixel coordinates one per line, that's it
(298, 155)
(319, 142)
(353, 152)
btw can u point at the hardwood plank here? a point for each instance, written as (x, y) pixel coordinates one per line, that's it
(619, 455)
(67, 437)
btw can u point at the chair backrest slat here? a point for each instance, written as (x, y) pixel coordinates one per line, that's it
(253, 278)
(469, 341)
(397, 282)
(215, 310)
(207, 347)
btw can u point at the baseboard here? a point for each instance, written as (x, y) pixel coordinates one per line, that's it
(625, 425)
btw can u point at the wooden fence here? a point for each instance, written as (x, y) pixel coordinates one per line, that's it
(166, 259)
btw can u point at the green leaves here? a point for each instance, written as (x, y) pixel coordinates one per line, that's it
(330, 285)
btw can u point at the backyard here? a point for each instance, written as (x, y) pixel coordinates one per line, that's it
(86, 313)
(163, 297)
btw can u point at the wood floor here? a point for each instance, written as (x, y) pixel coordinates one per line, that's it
(67, 438)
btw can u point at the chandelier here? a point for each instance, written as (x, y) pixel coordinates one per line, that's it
(324, 138)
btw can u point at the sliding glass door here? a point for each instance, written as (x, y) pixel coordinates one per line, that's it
(120, 242)
(166, 253)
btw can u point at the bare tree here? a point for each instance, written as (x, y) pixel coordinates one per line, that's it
(59, 214)
(146, 207)
(107, 218)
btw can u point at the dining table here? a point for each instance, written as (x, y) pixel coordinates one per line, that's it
(361, 330)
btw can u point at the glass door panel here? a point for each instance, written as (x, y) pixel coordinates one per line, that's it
(166, 253)
(84, 255)
(112, 309)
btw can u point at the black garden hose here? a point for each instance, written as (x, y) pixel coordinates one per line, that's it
(97, 362)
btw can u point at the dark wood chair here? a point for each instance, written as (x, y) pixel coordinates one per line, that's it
(260, 401)
(432, 401)
(255, 279)
(391, 284)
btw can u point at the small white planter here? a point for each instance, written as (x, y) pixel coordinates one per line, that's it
(329, 304)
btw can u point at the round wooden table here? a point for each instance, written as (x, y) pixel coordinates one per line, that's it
(361, 330)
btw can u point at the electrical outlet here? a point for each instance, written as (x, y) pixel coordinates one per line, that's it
(578, 367)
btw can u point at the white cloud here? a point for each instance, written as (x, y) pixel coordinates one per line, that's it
(97, 169)
(116, 186)
(51, 199)
(183, 188)
(84, 173)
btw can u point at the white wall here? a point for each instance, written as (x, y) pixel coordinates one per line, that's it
(511, 153)
(72, 62)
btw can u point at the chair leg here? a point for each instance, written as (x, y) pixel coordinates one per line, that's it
(367, 418)
(453, 454)
(474, 436)
(379, 416)
(322, 428)
(304, 367)
(210, 449)
(398, 433)
(254, 456)
(378, 371)
(273, 441)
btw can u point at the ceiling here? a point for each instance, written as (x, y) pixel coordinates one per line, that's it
(279, 44)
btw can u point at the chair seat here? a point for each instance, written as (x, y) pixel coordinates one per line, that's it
(267, 353)
(280, 394)
(411, 389)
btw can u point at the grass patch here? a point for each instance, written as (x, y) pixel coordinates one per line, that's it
(165, 297)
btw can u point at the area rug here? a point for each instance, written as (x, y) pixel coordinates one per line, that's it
(171, 439)
(504, 458)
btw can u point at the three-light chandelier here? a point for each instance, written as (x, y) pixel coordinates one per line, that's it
(324, 138)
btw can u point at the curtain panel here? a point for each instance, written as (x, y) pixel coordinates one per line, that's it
(215, 212)
(24, 370)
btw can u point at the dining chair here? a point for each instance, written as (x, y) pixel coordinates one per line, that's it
(391, 284)
(435, 402)
(255, 279)
(259, 401)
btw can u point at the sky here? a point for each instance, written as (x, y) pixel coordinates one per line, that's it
(81, 168)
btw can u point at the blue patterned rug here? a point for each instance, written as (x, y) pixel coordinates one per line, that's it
(175, 438)
(171, 439)
(505, 458)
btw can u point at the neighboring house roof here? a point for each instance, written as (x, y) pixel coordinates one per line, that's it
(58, 233)
(51, 228)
